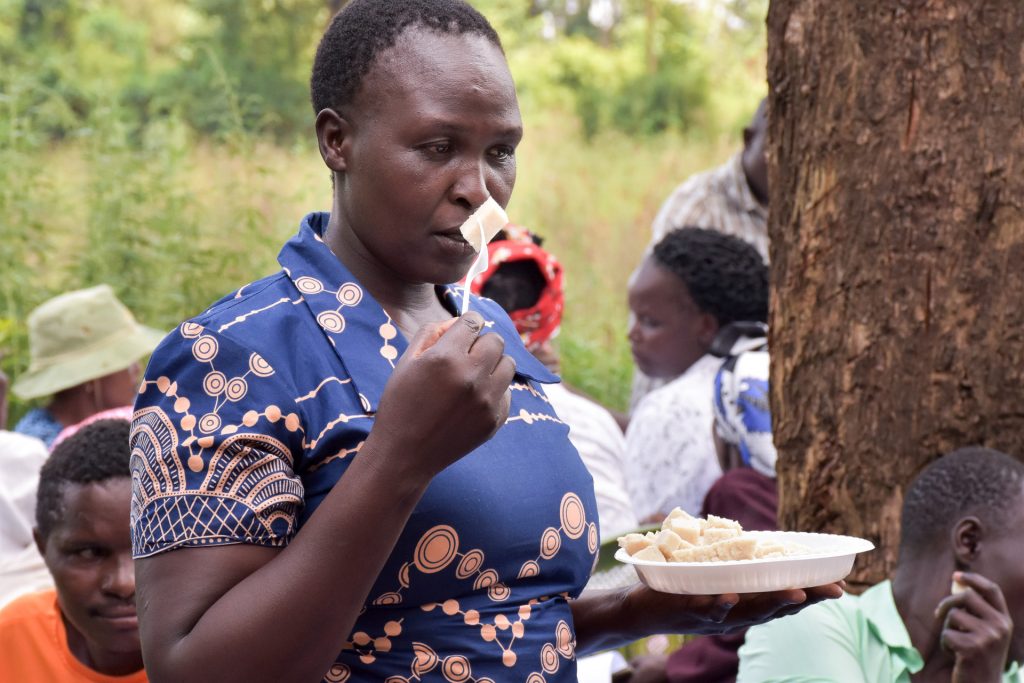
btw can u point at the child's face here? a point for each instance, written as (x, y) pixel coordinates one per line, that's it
(89, 555)
(668, 332)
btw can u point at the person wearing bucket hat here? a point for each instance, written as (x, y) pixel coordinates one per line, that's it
(84, 349)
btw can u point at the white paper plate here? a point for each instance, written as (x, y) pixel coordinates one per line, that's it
(830, 560)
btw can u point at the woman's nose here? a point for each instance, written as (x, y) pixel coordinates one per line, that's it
(632, 330)
(470, 188)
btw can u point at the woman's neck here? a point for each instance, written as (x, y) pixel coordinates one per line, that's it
(410, 304)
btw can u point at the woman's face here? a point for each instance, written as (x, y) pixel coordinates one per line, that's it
(667, 332)
(433, 132)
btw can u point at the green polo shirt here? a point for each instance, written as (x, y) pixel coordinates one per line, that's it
(849, 640)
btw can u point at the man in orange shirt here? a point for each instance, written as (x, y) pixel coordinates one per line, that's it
(85, 630)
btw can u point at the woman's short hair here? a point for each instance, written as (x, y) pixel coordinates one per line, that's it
(724, 275)
(365, 28)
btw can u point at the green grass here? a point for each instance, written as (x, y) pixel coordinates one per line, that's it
(172, 223)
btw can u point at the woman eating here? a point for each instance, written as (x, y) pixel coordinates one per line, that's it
(337, 477)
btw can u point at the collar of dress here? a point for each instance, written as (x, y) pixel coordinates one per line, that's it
(359, 330)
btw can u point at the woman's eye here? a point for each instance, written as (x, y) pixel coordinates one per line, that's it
(440, 147)
(503, 152)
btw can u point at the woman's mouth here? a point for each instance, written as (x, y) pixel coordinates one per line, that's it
(452, 242)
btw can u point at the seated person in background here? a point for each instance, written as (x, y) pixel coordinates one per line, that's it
(694, 282)
(84, 349)
(732, 198)
(21, 567)
(87, 629)
(526, 281)
(963, 521)
(746, 493)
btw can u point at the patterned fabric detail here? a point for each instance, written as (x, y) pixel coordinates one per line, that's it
(250, 413)
(742, 411)
(248, 494)
(601, 444)
(719, 199)
(670, 453)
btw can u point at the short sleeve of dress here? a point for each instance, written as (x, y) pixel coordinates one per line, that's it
(213, 441)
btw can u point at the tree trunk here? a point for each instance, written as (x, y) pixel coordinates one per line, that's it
(897, 247)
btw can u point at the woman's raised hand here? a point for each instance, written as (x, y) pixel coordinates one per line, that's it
(448, 394)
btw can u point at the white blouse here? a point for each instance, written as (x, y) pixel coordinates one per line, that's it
(670, 451)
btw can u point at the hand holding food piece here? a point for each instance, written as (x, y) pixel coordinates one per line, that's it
(448, 394)
(976, 628)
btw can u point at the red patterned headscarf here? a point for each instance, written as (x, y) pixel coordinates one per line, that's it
(540, 322)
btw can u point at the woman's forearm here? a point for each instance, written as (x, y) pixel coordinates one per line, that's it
(603, 620)
(287, 619)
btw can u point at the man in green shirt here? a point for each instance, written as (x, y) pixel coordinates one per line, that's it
(963, 522)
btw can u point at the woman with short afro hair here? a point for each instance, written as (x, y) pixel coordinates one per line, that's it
(694, 283)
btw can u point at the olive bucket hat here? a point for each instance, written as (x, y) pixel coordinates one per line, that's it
(81, 336)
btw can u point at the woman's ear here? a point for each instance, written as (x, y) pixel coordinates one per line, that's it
(966, 539)
(708, 329)
(334, 137)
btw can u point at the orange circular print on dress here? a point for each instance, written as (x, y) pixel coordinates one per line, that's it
(549, 658)
(426, 659)
(436, 549)
(469, 564)
(456, 669)
(338, 673)
(574, 518)
(550, 542)
(529, 568)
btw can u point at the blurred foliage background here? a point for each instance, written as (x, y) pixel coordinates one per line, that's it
(166, 147)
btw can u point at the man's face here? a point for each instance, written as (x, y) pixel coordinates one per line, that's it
(118, 388)
(90, 557)
(668, 332)
(1002, 561)
(755, 162)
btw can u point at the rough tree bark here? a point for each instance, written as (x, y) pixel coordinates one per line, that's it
(897, 246)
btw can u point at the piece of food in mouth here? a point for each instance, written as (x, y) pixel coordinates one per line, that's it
(684, 538)
(489, 216)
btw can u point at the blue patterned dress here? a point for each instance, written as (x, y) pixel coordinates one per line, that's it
(252, 411)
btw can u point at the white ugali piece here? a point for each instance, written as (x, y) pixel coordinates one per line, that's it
(491, 216)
